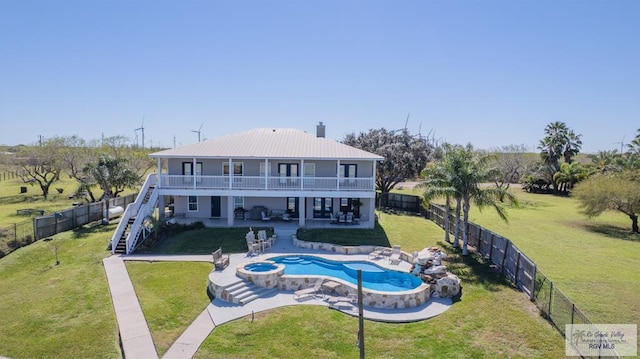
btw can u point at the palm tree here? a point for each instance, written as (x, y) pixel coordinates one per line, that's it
(471, 175)
(606, 161)
(438, 182)
(572, 145)
(569, 174)
(436, 185)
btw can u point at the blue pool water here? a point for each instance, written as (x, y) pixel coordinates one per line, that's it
(260, 267)
(373, 276)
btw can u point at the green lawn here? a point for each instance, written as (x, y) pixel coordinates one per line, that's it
(171, 295)
(492, 320)
(58, 311)
(593, 261)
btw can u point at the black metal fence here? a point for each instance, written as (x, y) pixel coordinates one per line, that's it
(15, 236)
(523, 273)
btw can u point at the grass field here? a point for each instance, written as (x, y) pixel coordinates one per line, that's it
(65, 310)
(492, 320)
(58, 311)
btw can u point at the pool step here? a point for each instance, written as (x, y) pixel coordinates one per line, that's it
(243, 292)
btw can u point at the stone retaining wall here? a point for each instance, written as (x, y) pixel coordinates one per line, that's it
(335, 248)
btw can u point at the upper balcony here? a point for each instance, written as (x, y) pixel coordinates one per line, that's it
(271, 183)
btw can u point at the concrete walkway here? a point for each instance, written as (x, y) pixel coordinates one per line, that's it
(136, 337)
(134, 331)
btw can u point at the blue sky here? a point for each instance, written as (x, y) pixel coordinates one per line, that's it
(487, 72)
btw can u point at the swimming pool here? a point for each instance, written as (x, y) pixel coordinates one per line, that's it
(373, 277)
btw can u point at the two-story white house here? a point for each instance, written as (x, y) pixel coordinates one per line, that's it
(287, 174)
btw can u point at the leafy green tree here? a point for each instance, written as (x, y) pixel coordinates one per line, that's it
(112, 175)
(404, 155)
(606, 161)
(619, 193)
(40, 164)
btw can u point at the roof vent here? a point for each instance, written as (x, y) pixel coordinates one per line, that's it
(320, 130)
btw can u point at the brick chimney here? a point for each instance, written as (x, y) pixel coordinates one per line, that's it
(320, 130)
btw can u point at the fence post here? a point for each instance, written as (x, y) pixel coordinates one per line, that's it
(517, 268)
(550, 297)
(504, 253)
(490, 247)
(532, 295)
(35, 230)
(15, 232)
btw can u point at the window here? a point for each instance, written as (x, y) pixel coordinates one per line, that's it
(292, 206)
(187, 170)
(193, 203)
(309, 169)
(322, 207)
(238, 202)
(348, 170)
(286, 170)
(350, 205)
(237, 168)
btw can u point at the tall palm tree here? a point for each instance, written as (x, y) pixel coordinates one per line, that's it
(438, 182)
(572, 145)
(474, 172)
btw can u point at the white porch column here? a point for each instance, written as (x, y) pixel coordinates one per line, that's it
(302, 174)
(193, 173)
(230, 173)
(303, 211)
(158, 184)
(374, 175)
(230, 214)
(266, 174)
(161, 207)
(338, 176)
(372, 212)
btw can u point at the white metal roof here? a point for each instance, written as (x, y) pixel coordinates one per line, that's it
(269, 143)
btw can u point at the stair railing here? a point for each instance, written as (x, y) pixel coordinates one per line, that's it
(132, 210)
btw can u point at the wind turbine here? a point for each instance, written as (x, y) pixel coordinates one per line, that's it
(141, 128)
(198, 131)
(621, 143)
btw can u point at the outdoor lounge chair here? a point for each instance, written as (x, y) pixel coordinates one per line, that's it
(394, 258)
(349, 218)
(317, 288)
(340, 301)
(219, 260)
(378, 252)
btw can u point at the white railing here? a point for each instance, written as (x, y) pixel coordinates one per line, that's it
(132, 210)
(146, 209)
(270, 183)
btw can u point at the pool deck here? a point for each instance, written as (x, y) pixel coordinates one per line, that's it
(129, 313)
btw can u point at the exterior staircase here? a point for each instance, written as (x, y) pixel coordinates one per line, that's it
(121, 247)
(243, 292)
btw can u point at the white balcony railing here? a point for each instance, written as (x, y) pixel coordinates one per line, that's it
(272, 183)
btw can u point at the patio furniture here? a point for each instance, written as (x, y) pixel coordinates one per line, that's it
(349, 218)
(394, 258)
(311, 291)
(334, 220)
(265, 217)
(378, 252)
(254, 248)
(219, 260)
(342, 218)
(342, 301)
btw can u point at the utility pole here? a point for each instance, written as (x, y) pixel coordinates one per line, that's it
(360, 316)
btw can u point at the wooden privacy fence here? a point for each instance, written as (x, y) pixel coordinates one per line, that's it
(397, 201)
(74, 217)
(501, 252)
(522, 272)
